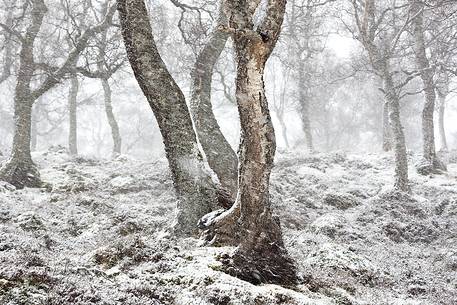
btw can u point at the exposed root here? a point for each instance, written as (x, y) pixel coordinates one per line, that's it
(221, 227)
(21, 174)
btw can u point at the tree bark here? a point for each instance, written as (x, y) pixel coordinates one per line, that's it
(115, 133)
(20, 170)
(399, 143)
(304, 108)
(386, 131)
(193, 184)
(221, 158)
(260, 256)
(442, 94)
(427, 75)
(73, 109)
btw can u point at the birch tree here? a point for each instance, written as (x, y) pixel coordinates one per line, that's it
(194, 187)
(260, 256)
(20, 170)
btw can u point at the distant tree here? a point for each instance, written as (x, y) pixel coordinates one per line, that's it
(20, 170)
(379, 28)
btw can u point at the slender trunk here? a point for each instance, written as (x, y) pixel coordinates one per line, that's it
(73, 105)
(221, 158)
(399, 144)
(194, 187)
(20, 170)
(304, 108)
(427, 75)
(386, 131)
(35, 111)
(115, 133)
(283, 128)
(442, 130)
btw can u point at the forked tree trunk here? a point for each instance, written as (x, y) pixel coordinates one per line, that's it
(73, 108)
(115, 133)
(304, 108)
(193, 184)
(427, 76)
(20, 170)
(220, 156)
(399, 144)
(261, 256)
(386, 130)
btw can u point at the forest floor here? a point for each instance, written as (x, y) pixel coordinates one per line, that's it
(97, 234)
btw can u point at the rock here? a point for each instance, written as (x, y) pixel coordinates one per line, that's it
(341, 201)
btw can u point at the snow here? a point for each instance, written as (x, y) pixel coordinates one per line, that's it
(98, 234)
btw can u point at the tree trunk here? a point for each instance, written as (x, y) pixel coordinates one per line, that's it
(304, 108)
(20, 170)
(283, 128)
(427, 75)
(73, 105)
(261, 256)
(35, 111)
(442, 106)
(386, 131)
(8, 49)
(117, 140)
(401, 159)
(193, 184)
(220, 156)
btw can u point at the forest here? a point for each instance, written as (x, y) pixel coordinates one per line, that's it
(228, 152)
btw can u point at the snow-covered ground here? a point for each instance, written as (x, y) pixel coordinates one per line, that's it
(97, 234)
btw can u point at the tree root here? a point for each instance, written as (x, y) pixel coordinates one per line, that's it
(21, 174)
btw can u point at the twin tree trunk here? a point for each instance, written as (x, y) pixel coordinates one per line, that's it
(260, 256)
(194, 187)
(219, 154)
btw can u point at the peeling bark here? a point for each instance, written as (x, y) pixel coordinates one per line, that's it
(221, 158)
(193, 184)
(260, 256)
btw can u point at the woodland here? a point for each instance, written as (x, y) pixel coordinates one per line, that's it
(228, 152)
